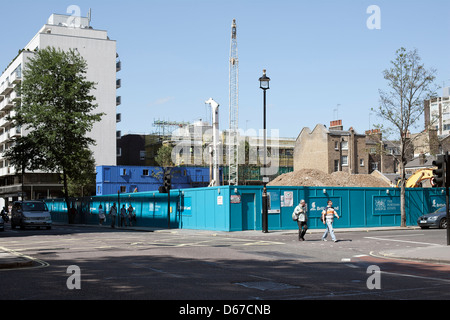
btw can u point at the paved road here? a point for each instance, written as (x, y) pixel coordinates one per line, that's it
(205, 265)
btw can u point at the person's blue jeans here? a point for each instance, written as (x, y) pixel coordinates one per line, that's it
(329, 230)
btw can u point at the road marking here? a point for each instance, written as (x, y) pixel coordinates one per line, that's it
(406, 241)
(414, 276)
(158, 270)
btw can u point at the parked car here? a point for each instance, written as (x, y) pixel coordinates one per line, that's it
(2, 224)
(437, 219)
(30, 214)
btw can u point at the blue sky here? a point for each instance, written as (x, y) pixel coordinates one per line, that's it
(319, 54)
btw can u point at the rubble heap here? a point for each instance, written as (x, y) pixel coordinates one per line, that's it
(317, 178)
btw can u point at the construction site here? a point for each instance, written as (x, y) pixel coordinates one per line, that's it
(317, 178)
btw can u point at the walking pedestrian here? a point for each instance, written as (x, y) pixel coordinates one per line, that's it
(327, 217)
(302, 219)
(113, 213)
(101, 215)
(123, 216)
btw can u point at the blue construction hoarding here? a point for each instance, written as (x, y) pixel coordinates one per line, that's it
(229, 208)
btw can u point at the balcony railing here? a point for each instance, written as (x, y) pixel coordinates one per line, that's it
(6, 88)
(16, 77)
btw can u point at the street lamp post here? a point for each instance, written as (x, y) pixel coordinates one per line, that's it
(264, 85)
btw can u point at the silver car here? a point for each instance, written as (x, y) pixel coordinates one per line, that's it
(30, 214)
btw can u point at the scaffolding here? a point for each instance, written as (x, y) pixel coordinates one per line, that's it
(166, 128)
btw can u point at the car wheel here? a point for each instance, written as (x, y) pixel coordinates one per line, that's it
(443, 223)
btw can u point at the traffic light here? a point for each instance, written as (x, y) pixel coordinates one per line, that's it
(440, 172)
(165, 188)
(167, 182)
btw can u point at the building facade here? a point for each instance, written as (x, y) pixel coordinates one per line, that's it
(331, 150)
(131, 179)
(437, 113)
(62, 32)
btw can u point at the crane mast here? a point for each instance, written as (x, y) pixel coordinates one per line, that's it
(233, 134)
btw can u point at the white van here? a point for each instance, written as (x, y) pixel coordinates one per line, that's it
(30, 214)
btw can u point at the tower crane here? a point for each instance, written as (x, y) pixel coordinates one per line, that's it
(233, 133)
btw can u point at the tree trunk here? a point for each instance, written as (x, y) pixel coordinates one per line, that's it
(70, 214)
(403, 196)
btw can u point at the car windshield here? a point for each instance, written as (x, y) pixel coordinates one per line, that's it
(440, 210)
(34, 206)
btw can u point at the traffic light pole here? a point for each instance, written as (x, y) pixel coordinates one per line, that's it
(441, 177)
(447, 186)
(168, 209)
(448, 214)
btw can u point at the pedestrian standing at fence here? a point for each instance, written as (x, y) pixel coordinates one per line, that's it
(131, 215)
(302, 220)
(113, 213)
(101, 215)
(327, 217)
(123, 216)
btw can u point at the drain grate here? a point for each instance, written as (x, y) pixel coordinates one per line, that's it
(266, 285)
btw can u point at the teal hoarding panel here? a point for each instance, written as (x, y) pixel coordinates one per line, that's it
(239, 208)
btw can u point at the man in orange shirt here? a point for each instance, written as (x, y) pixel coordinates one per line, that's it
(327, 217)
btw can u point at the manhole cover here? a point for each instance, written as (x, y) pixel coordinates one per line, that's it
(267, 285)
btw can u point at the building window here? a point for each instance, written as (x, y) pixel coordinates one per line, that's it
(344, 145)
(336, 165)
(123, 189)
(336, 145)
(123, 172)
(142, 155)
(145, 172)
(361, 162)
(344, 160)
(375, 166)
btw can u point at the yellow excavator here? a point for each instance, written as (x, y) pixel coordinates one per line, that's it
(415, 181)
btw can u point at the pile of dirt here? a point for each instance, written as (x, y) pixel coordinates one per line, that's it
(317, 178)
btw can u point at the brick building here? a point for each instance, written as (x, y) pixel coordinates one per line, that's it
(330, 150)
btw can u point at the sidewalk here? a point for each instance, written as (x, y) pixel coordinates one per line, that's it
(10, 260)
(432, 254)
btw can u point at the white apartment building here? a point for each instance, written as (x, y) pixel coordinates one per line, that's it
(64, 32)
(437, 113)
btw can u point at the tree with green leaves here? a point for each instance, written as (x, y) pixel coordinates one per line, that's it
(164, 156)
(55, 111)
(410, 83)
